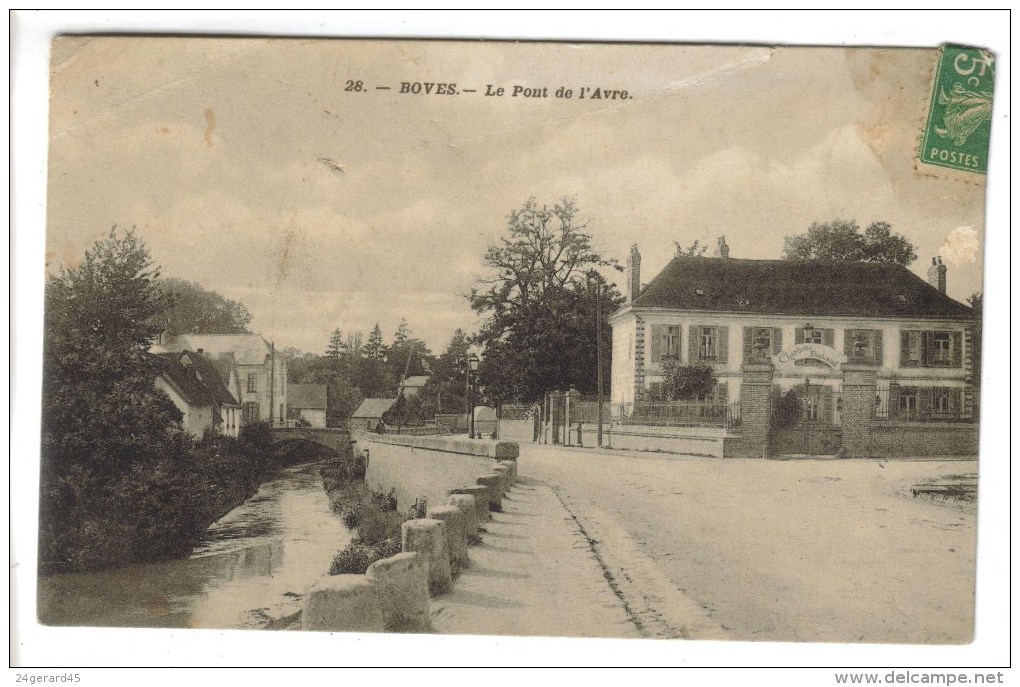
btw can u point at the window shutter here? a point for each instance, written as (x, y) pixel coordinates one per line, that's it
(904, 348)
(657, 331)
(925, 401)
(722, 392)
(693, 344)
(956, 402)
(723, 342)
(798, 335)
(848, 344)
(878, 347)
(747, 344)
(829, 337)
(777, 340)
(957, 349)
(928, 348)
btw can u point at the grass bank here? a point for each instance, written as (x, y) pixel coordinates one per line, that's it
(373, 516)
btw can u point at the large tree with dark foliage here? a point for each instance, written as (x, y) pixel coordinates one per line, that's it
(101, 413)
(842, 240)
(193, 309)
(540, 305)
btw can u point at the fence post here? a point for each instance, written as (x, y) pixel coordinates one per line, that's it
(756, 408)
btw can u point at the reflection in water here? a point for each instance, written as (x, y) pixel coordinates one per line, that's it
(252, 567)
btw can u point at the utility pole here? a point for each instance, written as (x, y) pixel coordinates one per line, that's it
(598, 353)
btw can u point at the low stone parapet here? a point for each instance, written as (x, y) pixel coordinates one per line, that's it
(343, 603)
(428, 538)
(488, 448)
(403, 591)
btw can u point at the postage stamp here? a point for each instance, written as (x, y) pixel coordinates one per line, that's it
(959, 122)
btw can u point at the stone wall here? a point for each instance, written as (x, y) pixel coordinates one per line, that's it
(429, 466)
(906, 439)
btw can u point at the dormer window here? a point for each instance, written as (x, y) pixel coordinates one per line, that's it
(700, 292)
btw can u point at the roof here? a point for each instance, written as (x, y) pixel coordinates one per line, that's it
(797, 287)
(195, 379)
(416, 381)
(373, 407)
(248, 349)
(306, 395)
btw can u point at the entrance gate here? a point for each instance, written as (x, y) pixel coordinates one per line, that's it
(805, 420)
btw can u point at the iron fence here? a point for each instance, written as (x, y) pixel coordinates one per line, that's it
(678, 414)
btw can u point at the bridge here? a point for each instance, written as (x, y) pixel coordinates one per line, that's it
(333, 438)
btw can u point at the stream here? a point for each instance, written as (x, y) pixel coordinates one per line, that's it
(250, 570)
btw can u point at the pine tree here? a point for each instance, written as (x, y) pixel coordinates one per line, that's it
(336, 345)
(375, 348)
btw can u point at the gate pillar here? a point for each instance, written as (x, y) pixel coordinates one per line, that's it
(859, 392)
(756, 409)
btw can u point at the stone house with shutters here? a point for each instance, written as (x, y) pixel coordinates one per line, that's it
(809, 320)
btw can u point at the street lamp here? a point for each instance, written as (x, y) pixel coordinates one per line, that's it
(472, 365)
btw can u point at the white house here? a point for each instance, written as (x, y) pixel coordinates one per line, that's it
(196, 388)
(807, 318)
(261, 371)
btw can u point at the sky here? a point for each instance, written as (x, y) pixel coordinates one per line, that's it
(247, 166)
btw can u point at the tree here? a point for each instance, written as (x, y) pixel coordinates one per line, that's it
(374, 348)
(444, 391)
(100, 405)
(192, 309)
(336, 345)
(686, 382)
(102, 416)
(540, 302)
(843, 240)
(695, 250)
(977, 303)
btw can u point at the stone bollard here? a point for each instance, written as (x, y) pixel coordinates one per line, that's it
(512, 464)
(505, 476)
(343, 603)
(403, 586)
(465, 503)
(456, 534)
(428, 537)
(481, 496)
(494, 483)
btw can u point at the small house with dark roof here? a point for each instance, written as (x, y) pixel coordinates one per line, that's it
(195, 386)
(308, 403)
(369, 415)
(808, 319)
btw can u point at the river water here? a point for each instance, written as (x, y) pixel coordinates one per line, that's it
(251, 569)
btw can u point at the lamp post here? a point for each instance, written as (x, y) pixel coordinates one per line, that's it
(472, 363)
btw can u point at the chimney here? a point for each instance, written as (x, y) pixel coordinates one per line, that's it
(633, 274)
(723, 250)
(937, 274)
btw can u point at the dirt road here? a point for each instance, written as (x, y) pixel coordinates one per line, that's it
(806, 550)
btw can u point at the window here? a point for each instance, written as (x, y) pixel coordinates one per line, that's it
(253, 382)
(863, 346)
(942, 347)
(762, 342)
(908, 401)
(942, 403)
(251, 412)
(813, 336)
(671, 342)
(708, 343)
(938, 348)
